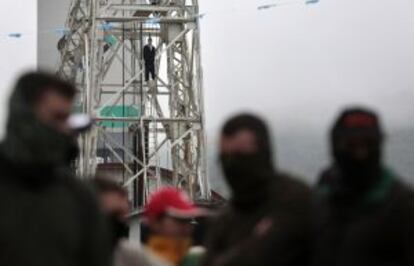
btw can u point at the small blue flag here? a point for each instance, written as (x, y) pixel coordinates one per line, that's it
(310, 2)
(15, 35)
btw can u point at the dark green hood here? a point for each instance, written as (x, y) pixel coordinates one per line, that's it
(32, 147)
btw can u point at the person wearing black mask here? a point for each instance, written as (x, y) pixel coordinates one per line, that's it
(115, 204)
(267, 220)
(48, 217)
(363, 214)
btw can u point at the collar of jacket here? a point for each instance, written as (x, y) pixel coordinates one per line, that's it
(376, 194)
(379, 192)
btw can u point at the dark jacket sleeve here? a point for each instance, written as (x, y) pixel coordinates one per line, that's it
(274, 248)
(405, 225)
(214, 245)
(96, 248)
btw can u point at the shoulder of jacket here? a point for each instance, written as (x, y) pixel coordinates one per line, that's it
(222, 217)
(83, 192)
(403, 192)
(293, 183)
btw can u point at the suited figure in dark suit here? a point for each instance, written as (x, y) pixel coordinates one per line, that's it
(149, 58)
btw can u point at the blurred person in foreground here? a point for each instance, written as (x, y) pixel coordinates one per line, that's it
(115, 204)
(47, 216)
(364, 214)
(169, 216)
(267, 219)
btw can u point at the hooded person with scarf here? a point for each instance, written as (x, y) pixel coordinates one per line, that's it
(267, 219)
(47, 216)
(115, 204)
(363, 214)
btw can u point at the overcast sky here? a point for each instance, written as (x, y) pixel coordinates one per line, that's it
(300, 63)
(16, 54)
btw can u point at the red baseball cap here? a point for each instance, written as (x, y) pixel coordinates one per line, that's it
(172, 202)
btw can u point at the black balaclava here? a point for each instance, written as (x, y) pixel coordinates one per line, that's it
(34, 149)
(361, 126)
(248, 175)
(119, 228)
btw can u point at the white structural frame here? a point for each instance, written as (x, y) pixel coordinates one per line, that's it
(171, 120)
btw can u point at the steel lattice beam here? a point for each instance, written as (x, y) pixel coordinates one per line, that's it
(102, 53)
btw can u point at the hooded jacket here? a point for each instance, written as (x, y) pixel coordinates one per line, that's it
(235, 238)
(376, 228)
(267, 219)
(48, 218)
